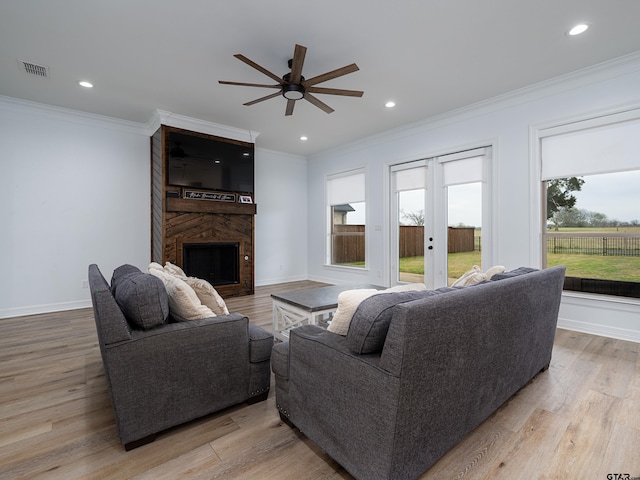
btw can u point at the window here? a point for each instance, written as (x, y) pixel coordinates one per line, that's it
(590, 173)
(347, 218)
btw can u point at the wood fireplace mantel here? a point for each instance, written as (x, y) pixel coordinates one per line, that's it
(205, 206)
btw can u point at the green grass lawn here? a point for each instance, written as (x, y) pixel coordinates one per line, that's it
(458, 263)
(585, 266)
(595, 266)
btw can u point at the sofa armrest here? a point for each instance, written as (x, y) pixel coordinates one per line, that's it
(260, 344)
(334, 390)
(177, 372)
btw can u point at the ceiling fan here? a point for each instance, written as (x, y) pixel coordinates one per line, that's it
(293, 86)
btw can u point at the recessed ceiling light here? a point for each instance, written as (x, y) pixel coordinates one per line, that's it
(85, 84)
(304, 138)
(578, 29)
(390, 104)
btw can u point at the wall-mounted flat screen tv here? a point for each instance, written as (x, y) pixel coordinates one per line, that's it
(205, 162)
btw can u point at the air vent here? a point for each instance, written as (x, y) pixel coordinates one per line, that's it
(35, 69)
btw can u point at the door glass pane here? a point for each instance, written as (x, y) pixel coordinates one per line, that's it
(411, 236)
(464, 213)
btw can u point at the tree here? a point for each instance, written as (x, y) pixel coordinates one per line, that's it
(559, 196)
(414, 218)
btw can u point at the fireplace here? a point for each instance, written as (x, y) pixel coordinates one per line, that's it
(216, 262)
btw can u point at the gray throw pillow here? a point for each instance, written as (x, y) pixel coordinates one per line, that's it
(513, 273)
(119, 273)
(143, 299)
(370, 323)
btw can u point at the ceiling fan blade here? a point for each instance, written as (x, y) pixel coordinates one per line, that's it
(331, 75)
(261, 99)
(321, 105)
(253, 64)
(296, 65)
(290, 105)
(242, 84)
(335, 91)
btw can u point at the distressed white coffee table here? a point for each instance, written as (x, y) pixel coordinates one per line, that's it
(313, 306)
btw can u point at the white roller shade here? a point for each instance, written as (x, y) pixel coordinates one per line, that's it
(349, 188)
(591, 150)
(410, 179)
(463, 167)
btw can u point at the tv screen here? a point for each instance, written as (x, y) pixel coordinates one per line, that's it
(201, 162)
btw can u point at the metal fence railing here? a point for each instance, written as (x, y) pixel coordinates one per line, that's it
(610, 244)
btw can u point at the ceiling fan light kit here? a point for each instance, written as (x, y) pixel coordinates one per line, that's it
(293, 86)
(293, 91)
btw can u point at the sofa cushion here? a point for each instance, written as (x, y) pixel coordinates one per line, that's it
(184, 304)
(143, 299)
(513, 273)
(370, 322)
(207, 295)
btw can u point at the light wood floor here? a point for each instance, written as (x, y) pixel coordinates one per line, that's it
(578, 420)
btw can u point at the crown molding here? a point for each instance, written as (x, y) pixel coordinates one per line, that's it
(162, 117)
(617, 67)
(73, 116)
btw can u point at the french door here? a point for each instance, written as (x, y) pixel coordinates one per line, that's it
(439, 213)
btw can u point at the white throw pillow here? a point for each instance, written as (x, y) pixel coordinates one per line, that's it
(348, 302)
(469, 277)
(208, 295)
(174, 270)
(155, 266)
(184, 304)
(493, 270)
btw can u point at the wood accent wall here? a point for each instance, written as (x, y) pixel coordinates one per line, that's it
(176, 221)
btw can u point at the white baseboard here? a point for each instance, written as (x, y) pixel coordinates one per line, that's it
(48, 308)
(601, 330)
(272, 281)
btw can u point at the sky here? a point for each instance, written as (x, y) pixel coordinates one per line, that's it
(617, 195)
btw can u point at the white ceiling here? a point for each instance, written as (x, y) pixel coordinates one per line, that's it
(429, 56)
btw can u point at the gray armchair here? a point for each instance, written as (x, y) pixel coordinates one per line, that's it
(171, 373)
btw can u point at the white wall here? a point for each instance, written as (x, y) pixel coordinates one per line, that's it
(281, 222)
(505, 122)
(75, 190)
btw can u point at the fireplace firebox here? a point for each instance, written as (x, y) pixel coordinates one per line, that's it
(218, 263)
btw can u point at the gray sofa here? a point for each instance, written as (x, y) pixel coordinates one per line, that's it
(417, 371)
(162, 373)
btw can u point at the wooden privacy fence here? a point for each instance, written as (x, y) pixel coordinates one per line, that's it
(348, 242)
